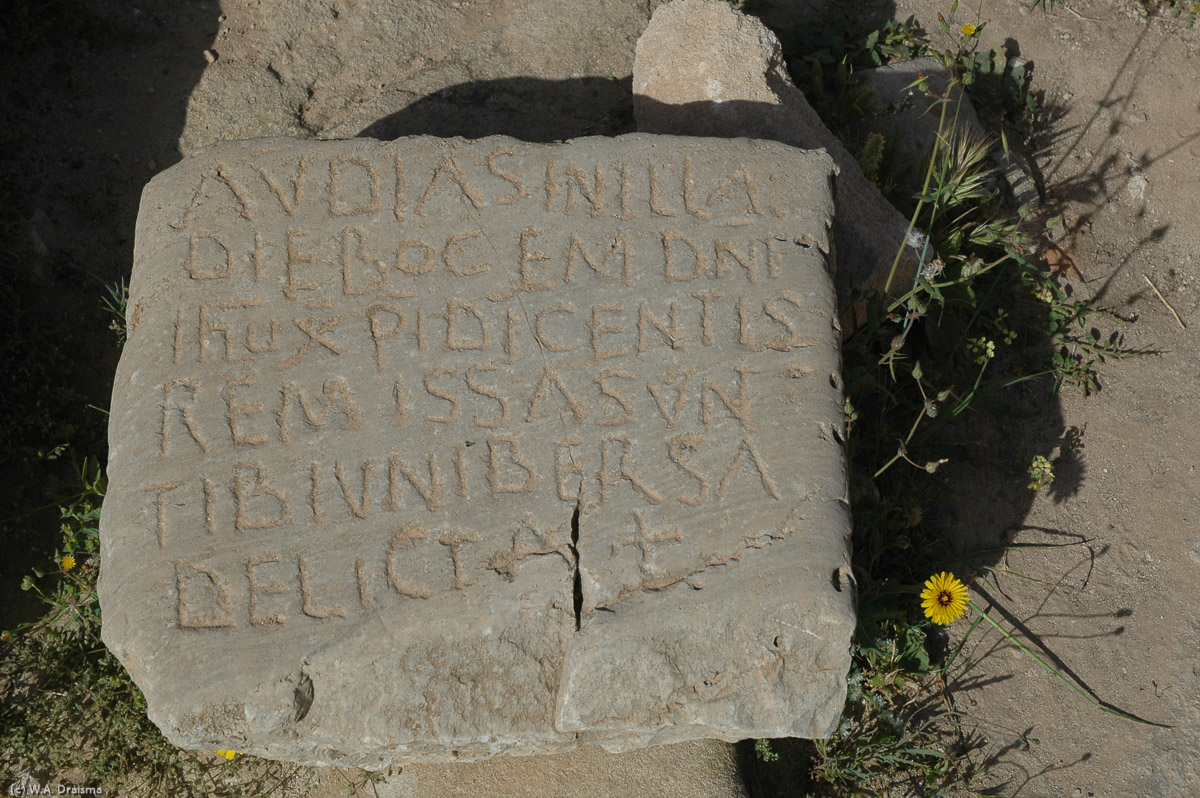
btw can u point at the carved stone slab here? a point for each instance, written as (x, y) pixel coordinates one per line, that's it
(438, 449)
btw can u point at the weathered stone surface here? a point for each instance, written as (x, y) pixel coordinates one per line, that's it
(437, 449)
(703, 68)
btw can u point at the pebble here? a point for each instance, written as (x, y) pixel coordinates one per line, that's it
(210, 56)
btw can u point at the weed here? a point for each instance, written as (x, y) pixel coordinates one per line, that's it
(69, 709)
(924, 361)
(115, 301)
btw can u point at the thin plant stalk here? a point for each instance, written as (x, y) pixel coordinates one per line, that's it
(1054, 672)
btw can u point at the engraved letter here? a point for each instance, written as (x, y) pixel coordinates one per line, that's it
(185, 412)
(563, 469)
(671, 416)
(483, 390)
(360, 507)
(551, 379)
(380, 332)
(594, 192)
(452, 415)
(297, 190)
(672, 335)
(405, 538)
(242, 494)
(599, 330)
(235, 411)
(626, 470)
(675, 449)
(747, 447)
(522, 192)
(454, 541)
(257, 590)
(450, 171)
(627, 417)
(454, 250)
(577, 251)
(706, 314)
(353, 253)
(540, 333)
(495, 478)
(670, 238)
(433, 492)
(217, 595)
(220, 256)
(309, 607)
(739, 407)
(160, 510)
(455, 308)
(339, 169)
(724, 252)
(296, 258)
(335, 392)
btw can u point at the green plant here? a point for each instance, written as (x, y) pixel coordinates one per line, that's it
(1000, 87)
(823, 55)
(115, 301)
(926, 360)
(68, 709)
(762, 750)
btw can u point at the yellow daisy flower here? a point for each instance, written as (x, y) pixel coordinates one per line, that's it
(67, 562)
(944, 598)
(227, 754)
(968, 29)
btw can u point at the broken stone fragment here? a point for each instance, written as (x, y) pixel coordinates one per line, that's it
(909, 118)
(703, 68)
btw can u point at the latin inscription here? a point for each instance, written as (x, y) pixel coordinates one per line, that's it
(398, 352)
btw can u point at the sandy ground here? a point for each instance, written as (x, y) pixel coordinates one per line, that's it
(1120, 159)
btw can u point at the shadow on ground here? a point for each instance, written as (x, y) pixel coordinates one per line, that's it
(94, 96)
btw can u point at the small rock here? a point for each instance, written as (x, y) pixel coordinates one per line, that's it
(210, 56)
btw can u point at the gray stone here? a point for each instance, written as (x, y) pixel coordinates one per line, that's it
(437, 449)
(909, 117)
(703, 68)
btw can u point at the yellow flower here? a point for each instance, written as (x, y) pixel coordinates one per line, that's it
(67, 562)
(944, 598)
(227, 754)
(968, 29)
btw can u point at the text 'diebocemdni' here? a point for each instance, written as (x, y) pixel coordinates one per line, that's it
(442, 448)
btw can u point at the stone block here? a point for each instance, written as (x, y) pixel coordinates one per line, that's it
(703, 68)
(437, 449)
(909, 118)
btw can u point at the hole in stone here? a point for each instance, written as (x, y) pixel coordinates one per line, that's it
(837, 579)
(303, 696)
(578, 575)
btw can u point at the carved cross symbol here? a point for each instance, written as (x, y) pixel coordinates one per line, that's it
(644, 541)
(506, 563)
(314, 331)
